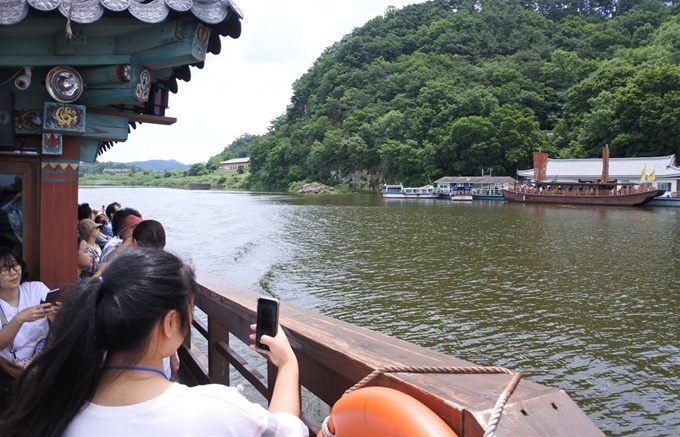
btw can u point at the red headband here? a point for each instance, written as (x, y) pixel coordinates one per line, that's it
(128, 221)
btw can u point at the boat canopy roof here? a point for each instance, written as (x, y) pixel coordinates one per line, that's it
(475, 180)
(619, 168)
(587, 183)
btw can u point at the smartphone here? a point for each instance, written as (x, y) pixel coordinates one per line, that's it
(54, 296)
(267, 319)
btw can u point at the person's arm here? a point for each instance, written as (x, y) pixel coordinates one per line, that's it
(9, 332)
(286, 394)
(120, 248)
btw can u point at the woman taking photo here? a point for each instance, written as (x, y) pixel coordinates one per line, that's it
(101, 370)
(24, 319)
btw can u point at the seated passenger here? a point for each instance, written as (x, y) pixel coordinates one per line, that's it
(101, 370)
(23, 317)
(84, 259)
(149, 233)
(102, 239)
(124, 222)
(89, 231)
(111, 210)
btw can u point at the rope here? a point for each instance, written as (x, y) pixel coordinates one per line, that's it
(476, 370)
(324, 428)
(69, 33)
(410, 369)
(500, 403)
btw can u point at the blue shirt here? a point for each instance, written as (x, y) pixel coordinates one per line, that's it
(107, 229)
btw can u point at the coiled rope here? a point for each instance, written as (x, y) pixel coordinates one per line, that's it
(495, 418)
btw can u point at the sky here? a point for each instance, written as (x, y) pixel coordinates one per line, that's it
(249, 83)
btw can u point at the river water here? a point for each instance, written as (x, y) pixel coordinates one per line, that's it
(581, 298)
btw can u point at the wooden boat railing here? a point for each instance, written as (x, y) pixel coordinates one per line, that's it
(334, 355)
(591, 192)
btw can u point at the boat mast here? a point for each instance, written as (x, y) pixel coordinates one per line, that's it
(605, 164)
(540, 166)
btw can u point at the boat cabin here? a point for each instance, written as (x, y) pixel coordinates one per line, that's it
(75, 78)
(485, 185)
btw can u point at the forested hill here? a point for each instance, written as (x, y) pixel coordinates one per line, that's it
(455, 87)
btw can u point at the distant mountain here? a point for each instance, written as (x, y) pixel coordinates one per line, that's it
(159, 165)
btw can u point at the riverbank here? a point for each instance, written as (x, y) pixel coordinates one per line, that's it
(146, 178)
(217, 180)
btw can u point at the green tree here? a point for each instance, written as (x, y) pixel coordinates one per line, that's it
(197, 169)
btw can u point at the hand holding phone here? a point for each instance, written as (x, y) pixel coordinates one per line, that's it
(267, 320)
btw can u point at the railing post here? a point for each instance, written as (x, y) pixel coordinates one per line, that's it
(218, 366)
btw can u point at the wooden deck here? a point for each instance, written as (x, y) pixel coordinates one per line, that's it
(334, 355)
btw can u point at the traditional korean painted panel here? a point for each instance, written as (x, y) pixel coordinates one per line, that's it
(63, 117)
(52, 144)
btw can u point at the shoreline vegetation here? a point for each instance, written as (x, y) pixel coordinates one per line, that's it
(217, 180)
(173, 179)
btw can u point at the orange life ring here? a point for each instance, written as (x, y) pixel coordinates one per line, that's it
(382, 411)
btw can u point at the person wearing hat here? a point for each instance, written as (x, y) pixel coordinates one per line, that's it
(89, 231)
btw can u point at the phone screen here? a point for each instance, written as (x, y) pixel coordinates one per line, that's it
(267, 319)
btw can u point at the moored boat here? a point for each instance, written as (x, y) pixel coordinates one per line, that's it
(582, 193)
(488, 194)
(461, 194)
(398, 191)
(600, 191)
(485, 187)
(667, 199)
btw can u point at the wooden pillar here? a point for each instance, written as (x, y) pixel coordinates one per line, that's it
(59, 214)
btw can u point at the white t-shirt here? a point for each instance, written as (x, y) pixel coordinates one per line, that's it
(110, 246)
(201, 411)
(30, 294)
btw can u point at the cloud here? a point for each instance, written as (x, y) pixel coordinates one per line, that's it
(249, 83)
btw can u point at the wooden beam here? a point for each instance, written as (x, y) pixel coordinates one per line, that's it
(139, 118)
(192, 48)
(107, 27)
(88, 149)
(135, 92)
(57, 47)
(147, 39)
(72, 61)
(106, 127)
(73, 45)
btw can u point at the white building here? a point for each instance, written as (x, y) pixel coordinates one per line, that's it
(659, 171)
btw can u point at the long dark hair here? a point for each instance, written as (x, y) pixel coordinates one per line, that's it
(8, 258)
(116, 313)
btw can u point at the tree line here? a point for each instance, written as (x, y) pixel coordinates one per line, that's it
(454, 87)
